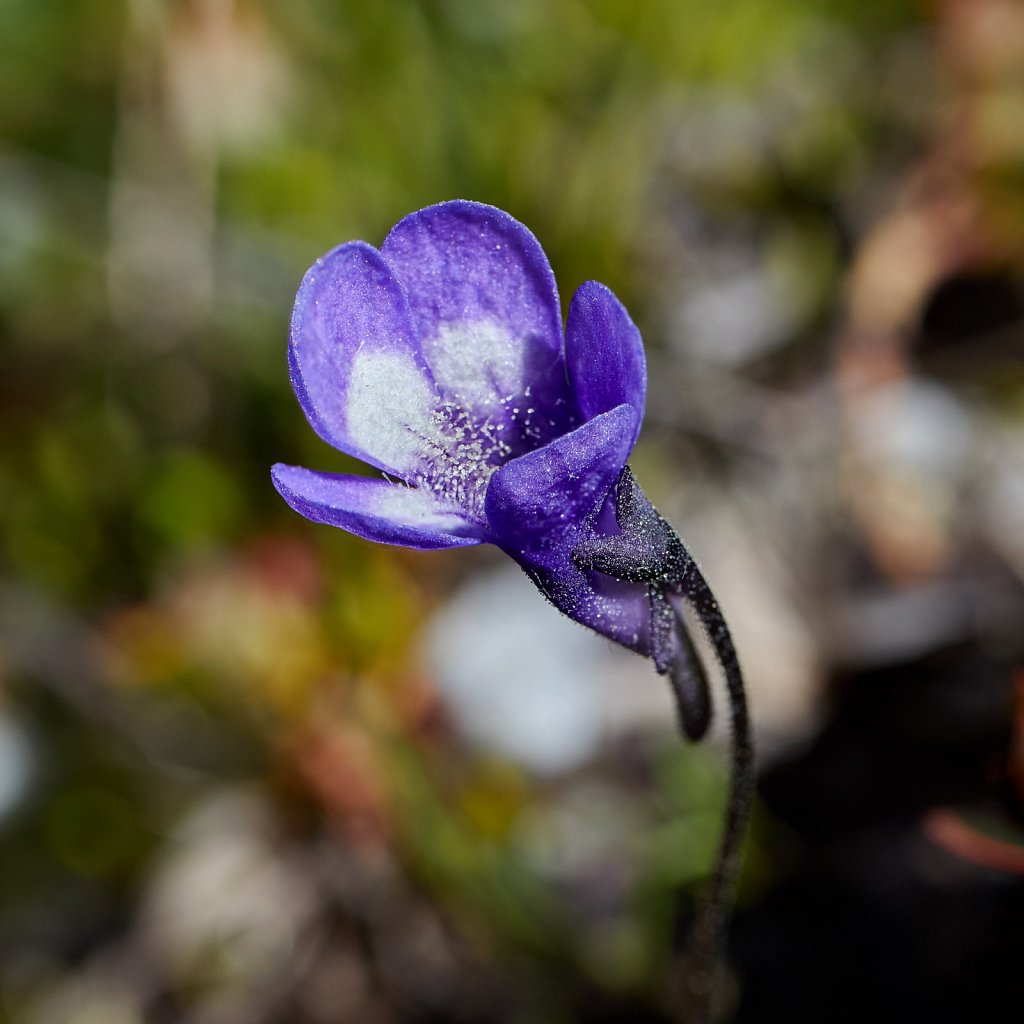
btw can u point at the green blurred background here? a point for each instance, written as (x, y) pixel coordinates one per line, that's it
(256, 770)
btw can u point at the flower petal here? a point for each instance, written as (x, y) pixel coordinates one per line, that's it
(533, 501)
(486, 310)
(356, 365)
(375, 509)
(540, 505)
(604, 353)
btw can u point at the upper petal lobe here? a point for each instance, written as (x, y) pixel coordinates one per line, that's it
(356, 364)
(486, 310)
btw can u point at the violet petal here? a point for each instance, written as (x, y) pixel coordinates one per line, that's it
(486, 310)
(542, 504)
(378, 510)
(604, 353)
(356, 365)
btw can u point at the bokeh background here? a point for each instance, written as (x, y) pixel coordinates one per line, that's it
(254, 770)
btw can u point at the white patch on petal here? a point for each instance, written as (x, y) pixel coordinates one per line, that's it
(474, 450)
(476, 364)
(415, 507)
(391, 410)
(449, 446)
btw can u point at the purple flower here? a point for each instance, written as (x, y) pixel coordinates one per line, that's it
(441, 360)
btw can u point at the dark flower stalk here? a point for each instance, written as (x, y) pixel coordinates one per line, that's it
(708, 933)
(441, 360)
(648, 551)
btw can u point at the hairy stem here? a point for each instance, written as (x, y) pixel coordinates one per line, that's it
(696, 982)
(648, 551)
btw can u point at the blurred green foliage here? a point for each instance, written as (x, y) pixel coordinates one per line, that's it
(171, 631)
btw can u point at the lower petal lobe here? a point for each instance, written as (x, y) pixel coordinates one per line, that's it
(378, 510)
(604, 353)
(541, 505)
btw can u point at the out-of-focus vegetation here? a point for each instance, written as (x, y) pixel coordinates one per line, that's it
(234, 783)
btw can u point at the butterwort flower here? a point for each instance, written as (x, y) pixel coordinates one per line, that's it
(440, 360)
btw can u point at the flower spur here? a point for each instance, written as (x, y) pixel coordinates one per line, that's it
(440, 360)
